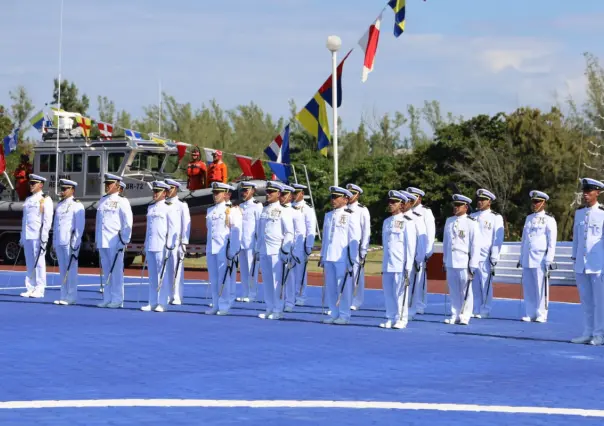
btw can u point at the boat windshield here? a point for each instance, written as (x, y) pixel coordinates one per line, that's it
(147, 161)
(171, 165)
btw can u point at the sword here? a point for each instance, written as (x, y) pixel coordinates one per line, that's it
(486, 296)
(101, 273)
(361, 267)
(546, 279)
(70, 260)
(405, 288)
(227, 272)
(417, 269)
(290, 266)
(343, 285)
(107, 283)
(180, 259)
(465, 298)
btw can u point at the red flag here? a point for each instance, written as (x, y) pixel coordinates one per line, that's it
(325, 89)
(369, 44)
(246, 165)
(2, 159)
(258, 170)
(182, 149)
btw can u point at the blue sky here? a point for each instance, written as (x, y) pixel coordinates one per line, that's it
(474, 56)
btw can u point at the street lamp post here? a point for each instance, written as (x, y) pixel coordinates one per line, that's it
(333, 44)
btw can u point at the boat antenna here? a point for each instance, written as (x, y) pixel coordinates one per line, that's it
(59, 102)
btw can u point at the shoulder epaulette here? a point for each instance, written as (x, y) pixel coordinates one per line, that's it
(348, 210)
(106, 195)
(266, 203)
(284, 205)
(472, 218)
(601, 207)
(297, 207)
(75, 200)
(256, 201)
(44, 195)
(168, 203)
(551, 215)
(361, 205)
(416, 213)
(407, 217)
(495, 213)
(121, 195)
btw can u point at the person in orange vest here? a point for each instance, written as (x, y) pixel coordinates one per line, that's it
(196, 172)
(21, 175)
(217, 171)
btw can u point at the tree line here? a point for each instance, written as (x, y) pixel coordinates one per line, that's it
(508, 153)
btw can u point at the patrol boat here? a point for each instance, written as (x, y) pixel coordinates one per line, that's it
(64, 153)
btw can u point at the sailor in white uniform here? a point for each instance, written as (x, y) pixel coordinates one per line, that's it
(538, 248)
(310, 221)
(222, 246)
(490, 239)
(398, 240)
(161, 241)
(340, 254)
(35, 227)
(67, 232)
(113, 232)
(251, 209)
(423, 213)
(418, 277)
(235, 221)
(461, 254)
(588, 254)
(296, 258)
(177, 261)
(364, 222)
(275, 236)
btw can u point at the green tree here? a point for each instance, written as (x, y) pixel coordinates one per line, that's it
(21, 108)
(70, 99)
(106, 109)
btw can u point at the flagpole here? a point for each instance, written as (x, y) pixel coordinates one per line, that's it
(333, 44)
(159, 131)
(59, 102)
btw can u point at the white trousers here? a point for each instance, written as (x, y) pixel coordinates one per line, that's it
(291, 287)
(419, 290)
(271, 268)
(249, 283)
(177, 284)
(396, 296)
(591, 292)
(482, 288)
(114, 291)
(217, 268)
(359, 291)
(232, 282)
(35, 280)
(534, 292)
(334, 279)
(457, 280)
(301, 279)
(69, 281)
(158, 293)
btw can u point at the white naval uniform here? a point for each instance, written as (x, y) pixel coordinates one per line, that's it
(420, 298)
(418, 275)
(300, 270)
(67, 232)
(538, 250)
(340, 255)
(297, 254)
(251, 211)
(219, 231)
(588, 252)
(180, 210)
(399, 240)
(35, 227)
(235, 220)
(161, 240)
(275, 236)
(113, 232)
(461, 252)
(364, 223)
(490, 239)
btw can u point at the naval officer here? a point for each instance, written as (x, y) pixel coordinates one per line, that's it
(425, 215)
(222, 245)
(538, 248)
(398, 239)
(275, 236)
(251, 209)
(340, 254)
(177, 261)
(588, 255)
(490, 239)
(310, 221)
(297, 253)
(461, 254)
(112, 232)
(161, 241)
(67, 232)
(364, 222)
(35, 227)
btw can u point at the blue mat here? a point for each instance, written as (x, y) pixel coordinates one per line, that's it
(65, 353)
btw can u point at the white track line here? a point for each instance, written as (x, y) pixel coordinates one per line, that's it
(372, 405)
